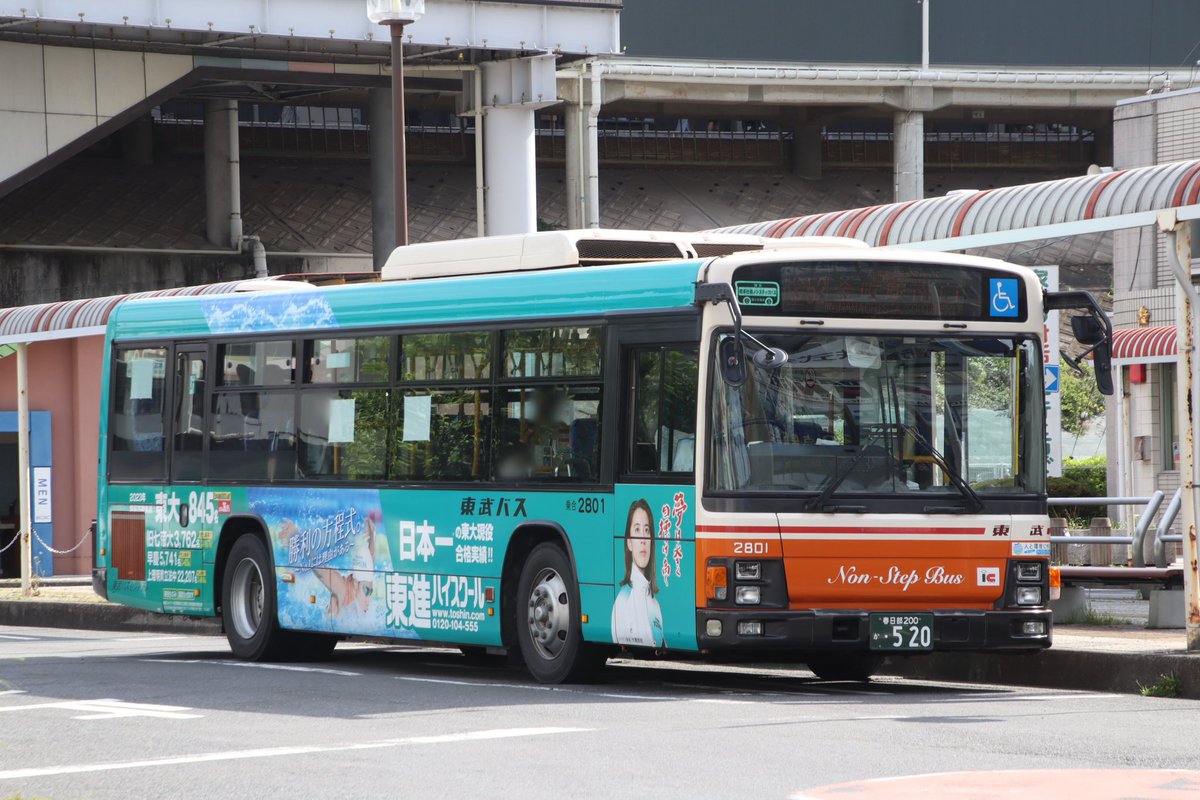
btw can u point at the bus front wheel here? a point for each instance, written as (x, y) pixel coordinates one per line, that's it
(248, 603)
(548, 620)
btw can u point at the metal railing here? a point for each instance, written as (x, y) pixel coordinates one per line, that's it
(1136, 539)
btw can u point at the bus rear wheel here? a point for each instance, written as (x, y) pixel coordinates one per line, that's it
(844, 666)
(248, 603)
(548, 620)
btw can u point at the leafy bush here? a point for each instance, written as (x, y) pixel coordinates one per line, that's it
(1077, 516)
(1091, 471)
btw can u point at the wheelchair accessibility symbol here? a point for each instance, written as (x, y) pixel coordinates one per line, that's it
(1003, 293)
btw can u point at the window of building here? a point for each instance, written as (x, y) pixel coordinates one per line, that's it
(1169, 425)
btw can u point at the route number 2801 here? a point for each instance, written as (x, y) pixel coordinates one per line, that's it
(750, 548)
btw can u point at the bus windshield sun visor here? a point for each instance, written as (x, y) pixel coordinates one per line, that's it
(733, 353)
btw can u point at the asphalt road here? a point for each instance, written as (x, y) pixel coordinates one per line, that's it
(86, 714)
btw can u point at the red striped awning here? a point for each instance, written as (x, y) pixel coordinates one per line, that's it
(1144, 345)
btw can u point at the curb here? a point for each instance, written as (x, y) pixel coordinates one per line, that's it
(101, 617)
(1080, 670)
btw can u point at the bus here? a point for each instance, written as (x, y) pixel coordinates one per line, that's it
(569, 445)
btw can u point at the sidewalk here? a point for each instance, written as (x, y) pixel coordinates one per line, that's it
(1115, 657)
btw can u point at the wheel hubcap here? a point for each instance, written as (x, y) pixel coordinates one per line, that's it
(549, 614)
(247, 596)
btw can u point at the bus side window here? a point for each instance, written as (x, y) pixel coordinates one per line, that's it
(663, 415)
(137, 422)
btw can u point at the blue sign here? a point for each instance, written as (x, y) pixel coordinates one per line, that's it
(1051, 379)
(1003, 294)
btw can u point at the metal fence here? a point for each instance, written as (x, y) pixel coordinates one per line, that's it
(1137, 538)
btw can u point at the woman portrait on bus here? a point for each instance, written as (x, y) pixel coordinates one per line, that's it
(636, 616)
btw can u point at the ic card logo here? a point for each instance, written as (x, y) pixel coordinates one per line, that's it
(987, 576)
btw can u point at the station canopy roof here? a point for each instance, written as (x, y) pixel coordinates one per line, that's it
(968, 219)
(69, 319)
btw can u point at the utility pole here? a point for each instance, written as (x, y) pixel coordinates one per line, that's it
(26, 520)
(1187, 393)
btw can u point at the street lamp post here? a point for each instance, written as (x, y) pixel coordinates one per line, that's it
(396, 14)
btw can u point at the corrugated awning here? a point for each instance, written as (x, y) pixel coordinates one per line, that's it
(70, 319)
(969, 219)
(1144, 345)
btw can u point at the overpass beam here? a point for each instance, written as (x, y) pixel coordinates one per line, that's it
(383, 199)
(513, 91)
(222, 174)
(908, 157)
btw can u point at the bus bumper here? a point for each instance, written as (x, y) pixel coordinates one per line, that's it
(100, 581)
(847, 630)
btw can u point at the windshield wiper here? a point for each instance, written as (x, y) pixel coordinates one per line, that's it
(974, 501)
(820, 500)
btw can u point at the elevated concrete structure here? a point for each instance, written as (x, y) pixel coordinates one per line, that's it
(95, 66)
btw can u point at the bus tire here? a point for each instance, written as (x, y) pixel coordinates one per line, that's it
(309, 646)
(248, 603)
(547, 621)
(844, 666)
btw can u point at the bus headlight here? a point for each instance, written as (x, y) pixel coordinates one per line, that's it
(1029, 595)
(748, 595)
(1029, 572)
(747, 570)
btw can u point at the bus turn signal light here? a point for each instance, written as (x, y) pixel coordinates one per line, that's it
(1055, 583)
(716, 583)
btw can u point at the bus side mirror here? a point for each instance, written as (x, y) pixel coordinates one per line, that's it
(1087, 330)
(733, 361)
(1102, 363)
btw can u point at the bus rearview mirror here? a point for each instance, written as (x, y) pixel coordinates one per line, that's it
(1087, 330)
(733, 361)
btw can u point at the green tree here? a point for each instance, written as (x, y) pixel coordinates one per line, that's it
(1081, 400)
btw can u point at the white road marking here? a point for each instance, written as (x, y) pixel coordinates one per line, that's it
(107, 708)
(650, 698)
(276, 752)
(18, 638)
(252, 665)
(13, 691)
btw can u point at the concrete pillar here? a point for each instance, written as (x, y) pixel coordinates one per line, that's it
(908, 157)
(573, 128)
(508, 162)
(222, 174)
(806, 150)
(1104, 144)
(383, 201)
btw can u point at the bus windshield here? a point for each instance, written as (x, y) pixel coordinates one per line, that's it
(884, 415)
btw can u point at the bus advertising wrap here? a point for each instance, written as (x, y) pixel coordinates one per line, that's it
(420, 564)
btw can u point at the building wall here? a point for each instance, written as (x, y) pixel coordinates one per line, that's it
(1116, 33)
(1156, 130)
(64, 379)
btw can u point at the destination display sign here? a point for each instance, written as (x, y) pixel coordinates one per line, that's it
(881, 290)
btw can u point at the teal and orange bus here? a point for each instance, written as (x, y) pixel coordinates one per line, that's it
(569, 445)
